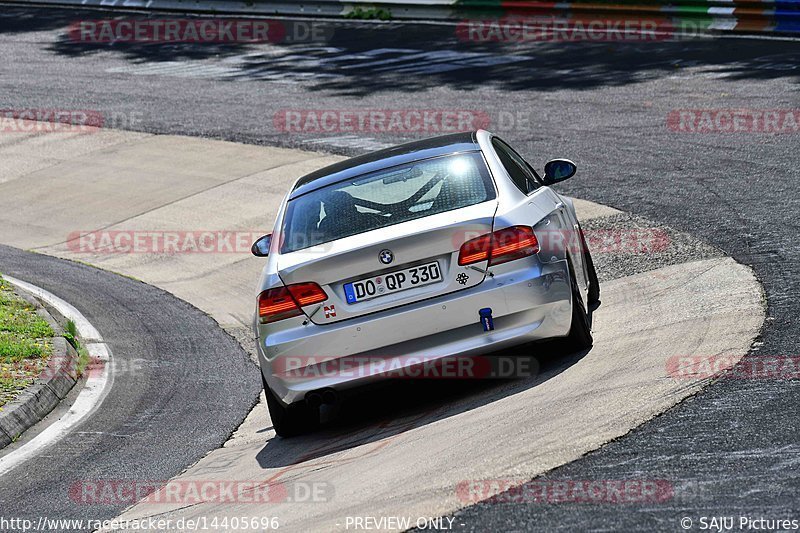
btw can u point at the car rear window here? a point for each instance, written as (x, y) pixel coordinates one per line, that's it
(386, 197)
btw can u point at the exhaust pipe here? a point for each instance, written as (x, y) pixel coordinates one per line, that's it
(330, 396)
(314, 399)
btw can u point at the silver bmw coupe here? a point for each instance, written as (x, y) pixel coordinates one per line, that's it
(393, 262)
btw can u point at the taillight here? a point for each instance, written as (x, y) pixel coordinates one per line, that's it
(513, 243)
(475, 250)
(307, 293)
(285, 302)
(500, 246)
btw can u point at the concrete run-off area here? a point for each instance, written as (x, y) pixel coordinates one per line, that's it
(57, 187)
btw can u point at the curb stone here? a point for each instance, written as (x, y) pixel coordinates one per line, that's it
(52, 385)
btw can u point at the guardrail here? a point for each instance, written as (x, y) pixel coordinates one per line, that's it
(748, 16)
(782, 16)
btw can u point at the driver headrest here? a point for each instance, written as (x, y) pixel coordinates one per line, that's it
(339, 201)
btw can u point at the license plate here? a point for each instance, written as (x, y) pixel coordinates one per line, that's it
(399, 280)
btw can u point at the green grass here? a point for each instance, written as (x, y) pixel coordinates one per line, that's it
(83, 360)
(24, 343)
(15, 348)
(371, 13)
(7, 384)
(71, 334)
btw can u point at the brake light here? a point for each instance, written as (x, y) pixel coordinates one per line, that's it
(513, 243)
(285, 302)
(475, 250)
(499, 247)
(307, 293)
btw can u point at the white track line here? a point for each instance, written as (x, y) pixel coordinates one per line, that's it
(90, 397)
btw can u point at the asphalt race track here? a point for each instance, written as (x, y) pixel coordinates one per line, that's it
(168, 356)
(729, 450)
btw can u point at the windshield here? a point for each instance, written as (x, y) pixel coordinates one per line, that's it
(386, 197)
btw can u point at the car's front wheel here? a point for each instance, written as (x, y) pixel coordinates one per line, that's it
(290, 420)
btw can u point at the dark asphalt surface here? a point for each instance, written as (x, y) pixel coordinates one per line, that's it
(181, 387)
(731, 450)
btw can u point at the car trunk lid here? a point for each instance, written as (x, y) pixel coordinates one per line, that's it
(420, 248)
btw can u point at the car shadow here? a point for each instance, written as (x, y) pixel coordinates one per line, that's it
(372, 416)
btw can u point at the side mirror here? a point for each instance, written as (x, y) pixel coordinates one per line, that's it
(260, 248)
(558, 170)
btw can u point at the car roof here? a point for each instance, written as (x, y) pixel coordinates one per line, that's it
(389, 157)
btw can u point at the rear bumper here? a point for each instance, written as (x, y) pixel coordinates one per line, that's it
(527, 304)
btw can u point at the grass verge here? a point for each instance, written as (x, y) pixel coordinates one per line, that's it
(25, 343)
(71, 334)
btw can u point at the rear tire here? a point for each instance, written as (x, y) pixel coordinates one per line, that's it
(290, 420)
(594, 284)
(580, 332)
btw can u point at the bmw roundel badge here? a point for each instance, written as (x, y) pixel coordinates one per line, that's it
(386, 256)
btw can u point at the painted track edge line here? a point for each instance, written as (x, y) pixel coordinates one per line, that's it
(91, 396)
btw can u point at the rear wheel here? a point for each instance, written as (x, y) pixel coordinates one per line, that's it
(580, 333)
(290, 420)
(594, 284)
